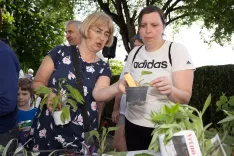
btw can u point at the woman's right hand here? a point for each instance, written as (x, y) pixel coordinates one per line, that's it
(122, 84)
(115, 115)
(50, 101)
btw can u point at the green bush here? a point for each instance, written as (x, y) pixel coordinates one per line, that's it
(213, 80)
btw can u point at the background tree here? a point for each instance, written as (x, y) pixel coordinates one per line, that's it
(215, 14)
(34, 27)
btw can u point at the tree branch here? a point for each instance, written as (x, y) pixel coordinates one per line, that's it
(176, 18)
(106, 9)
(166, 5)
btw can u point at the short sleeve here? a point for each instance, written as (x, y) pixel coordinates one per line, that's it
(180, 57)
(105, 70)
(55, 54)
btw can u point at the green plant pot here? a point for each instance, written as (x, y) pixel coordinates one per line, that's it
(136, 95)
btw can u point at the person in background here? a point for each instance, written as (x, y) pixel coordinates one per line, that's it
(172, 77)
(29, 75)
(9, 69)
(96, 31)
(26, 111)
(74, 37)
(21, 74)
(72, 32)
(118, 117)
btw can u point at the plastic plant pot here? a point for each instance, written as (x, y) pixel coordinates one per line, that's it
(136, 95)
(57, 119)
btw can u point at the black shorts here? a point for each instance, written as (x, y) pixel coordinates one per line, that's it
(137, 137)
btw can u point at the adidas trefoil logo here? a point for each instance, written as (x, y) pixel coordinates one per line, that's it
(188, 62)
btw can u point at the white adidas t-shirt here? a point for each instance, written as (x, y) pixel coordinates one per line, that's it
(158, 63)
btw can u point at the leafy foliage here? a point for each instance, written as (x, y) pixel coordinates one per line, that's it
(227, 106)
(34, 27)
(61, 100)
(173, 118)
(116, 67)
(101, 137)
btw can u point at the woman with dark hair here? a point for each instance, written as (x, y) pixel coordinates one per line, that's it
(26, 111)
(171, 80)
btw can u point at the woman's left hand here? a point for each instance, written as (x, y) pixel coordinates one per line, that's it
(162, 84)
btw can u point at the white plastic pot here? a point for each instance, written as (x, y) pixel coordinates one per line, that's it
(57, 119)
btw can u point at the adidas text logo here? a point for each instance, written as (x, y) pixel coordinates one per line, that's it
(150, 65)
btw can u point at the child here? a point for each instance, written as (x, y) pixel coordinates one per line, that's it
(26, 112)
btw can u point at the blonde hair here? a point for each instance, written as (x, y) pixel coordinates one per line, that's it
(97, 19)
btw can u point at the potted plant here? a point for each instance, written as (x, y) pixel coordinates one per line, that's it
(174, 118)
(136, 92)
(101, 138)
(61, 102)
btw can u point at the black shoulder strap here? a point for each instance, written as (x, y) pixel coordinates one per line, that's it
(169, 53)
(136, 53)
(79, 83)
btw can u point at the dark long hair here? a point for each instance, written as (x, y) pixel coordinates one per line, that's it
(150, 9)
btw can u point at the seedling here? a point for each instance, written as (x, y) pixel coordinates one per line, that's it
(131, 82)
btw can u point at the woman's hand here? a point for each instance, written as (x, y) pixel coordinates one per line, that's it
(163, 85)
(115, 115)
(122, 84)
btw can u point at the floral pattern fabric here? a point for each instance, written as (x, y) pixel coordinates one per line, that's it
(44, 133)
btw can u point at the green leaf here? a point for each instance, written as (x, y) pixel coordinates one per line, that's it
(112, 129)
(43, 102)
(174, 109)
(75, 94)
(223, 99)
(72, 103)
(94, 133)
(227, 119)
(160, 118)
(55, 103)
(207, 126)
(219, 105)
(144, 72)
(207, 103)
(167, 109)
(231, 101)
(103, 133)
(170, 126)
(42, 90)
(65, 114)
(154, 141)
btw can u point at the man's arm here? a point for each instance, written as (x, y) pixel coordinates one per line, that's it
(8, 81)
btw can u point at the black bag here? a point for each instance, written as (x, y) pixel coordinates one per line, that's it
(79, 83)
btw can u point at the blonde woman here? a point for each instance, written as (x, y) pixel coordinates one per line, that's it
(96, 31)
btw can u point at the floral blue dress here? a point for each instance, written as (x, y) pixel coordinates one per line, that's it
(44, 133)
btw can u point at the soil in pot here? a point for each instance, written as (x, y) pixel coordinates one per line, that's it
(136, 95)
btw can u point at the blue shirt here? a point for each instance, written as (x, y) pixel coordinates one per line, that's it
(9, 69)
(25, 119)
